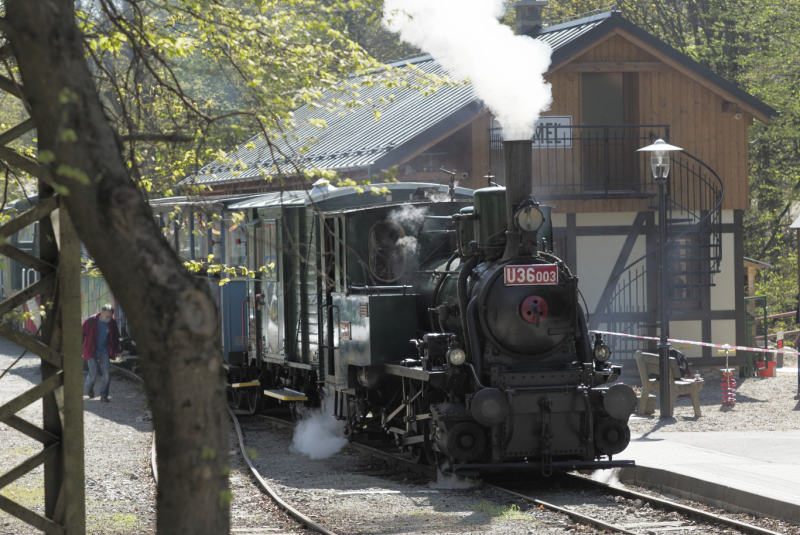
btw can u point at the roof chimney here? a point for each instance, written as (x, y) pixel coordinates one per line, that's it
(529, 15)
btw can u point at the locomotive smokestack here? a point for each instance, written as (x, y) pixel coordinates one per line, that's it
(518, 161)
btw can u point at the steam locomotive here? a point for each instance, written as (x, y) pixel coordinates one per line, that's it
(442, 322)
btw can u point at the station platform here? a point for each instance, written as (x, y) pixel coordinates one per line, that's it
(711, 467)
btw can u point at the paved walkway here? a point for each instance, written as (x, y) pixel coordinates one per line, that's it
(754, 472)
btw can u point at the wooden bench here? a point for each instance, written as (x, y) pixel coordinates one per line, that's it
(648, 365)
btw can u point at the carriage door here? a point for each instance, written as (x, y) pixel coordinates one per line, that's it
(334, 269)
(272, 306)
(252, 332)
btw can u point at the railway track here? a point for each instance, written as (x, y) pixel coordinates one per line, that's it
(638, 513)
(577, 514)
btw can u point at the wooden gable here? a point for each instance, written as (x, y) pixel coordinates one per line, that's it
(701, 116)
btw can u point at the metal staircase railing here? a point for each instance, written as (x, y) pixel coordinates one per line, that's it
(694, 230)
(694, 251)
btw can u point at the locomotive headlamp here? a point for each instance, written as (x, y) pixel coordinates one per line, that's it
(456, 356)
(602, 352)
(529, 218)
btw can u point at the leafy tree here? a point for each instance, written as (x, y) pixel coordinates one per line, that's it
(112, 90)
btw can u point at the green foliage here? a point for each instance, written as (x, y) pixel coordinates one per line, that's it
(219, 72)
(500, 512)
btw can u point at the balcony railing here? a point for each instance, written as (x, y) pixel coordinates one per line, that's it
(587, 161)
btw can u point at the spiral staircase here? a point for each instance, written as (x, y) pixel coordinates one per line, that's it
(694, 253)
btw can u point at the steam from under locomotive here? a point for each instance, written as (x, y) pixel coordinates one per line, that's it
(465, 36)
(318, 435)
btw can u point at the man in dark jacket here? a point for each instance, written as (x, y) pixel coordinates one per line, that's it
(100, 343)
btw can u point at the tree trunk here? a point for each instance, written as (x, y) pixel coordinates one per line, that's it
(171, 313)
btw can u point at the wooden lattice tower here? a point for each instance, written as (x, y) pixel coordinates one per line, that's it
(61, 389)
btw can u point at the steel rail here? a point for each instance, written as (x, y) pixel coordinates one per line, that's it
(427, 471)
(431, 472)
(578, 517)
(669, 505)
(303, 519)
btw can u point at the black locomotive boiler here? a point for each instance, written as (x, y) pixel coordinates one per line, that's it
(440, 322)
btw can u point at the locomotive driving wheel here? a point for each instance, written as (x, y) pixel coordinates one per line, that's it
(253, 398)
(236, 398)
(295, 408)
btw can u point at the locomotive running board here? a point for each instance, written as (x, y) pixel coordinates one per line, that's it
(245, 385)
(286, 394)
(472, 470)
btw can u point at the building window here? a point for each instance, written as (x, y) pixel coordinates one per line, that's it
(602, 98)
(608, 103)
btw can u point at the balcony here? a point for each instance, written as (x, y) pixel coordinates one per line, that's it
(587, 161)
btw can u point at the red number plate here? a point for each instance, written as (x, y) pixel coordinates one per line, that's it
(527, 275)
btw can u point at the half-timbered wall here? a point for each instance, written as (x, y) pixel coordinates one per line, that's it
(595, 244)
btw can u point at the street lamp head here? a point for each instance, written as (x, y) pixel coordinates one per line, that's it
(659, 158)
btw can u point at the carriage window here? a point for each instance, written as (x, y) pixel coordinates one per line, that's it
(27, 234)
(234, 244)
(201, 227)
(387, 256)
(250, 232)
(182, 228)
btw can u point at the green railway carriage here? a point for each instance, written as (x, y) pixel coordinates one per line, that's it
(304, 247)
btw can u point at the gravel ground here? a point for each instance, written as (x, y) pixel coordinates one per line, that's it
(350, 492)
(120, 494)
(762, 404)
(355, 493)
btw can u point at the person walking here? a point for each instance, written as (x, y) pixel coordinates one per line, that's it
(100, 342)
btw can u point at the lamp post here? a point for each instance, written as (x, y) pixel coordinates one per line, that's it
(659, 164)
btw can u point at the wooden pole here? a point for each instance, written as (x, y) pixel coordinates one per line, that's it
(74, 484)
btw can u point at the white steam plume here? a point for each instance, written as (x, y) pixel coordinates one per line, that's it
(467, 39)
(318, 435)
(409, 215)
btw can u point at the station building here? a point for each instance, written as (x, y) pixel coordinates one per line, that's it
(616, 88)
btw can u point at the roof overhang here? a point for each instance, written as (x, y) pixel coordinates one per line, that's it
(430, 137)
(755, 264)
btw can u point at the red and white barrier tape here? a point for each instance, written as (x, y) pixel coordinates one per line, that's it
(706, 344)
